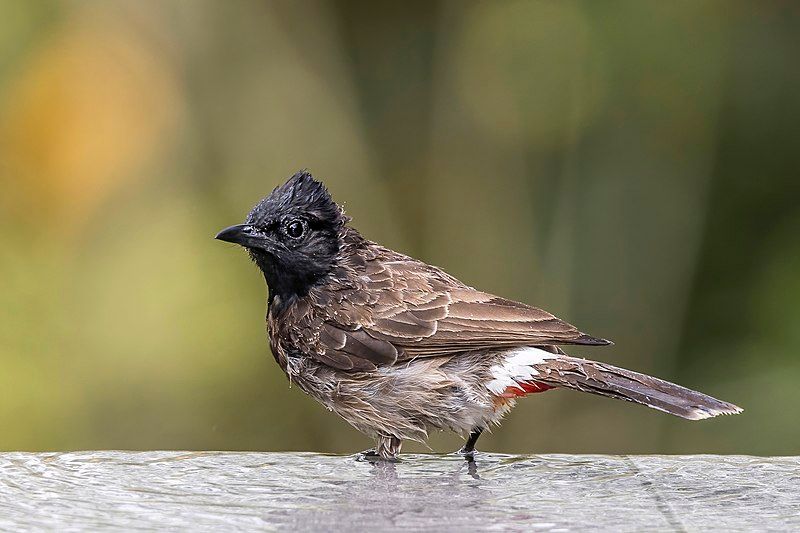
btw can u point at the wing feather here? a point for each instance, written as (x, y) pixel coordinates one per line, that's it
(403, 309)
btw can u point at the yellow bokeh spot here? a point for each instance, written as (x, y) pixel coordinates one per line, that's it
(87, 110)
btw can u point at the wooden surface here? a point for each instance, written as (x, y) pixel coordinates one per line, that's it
(204, 491)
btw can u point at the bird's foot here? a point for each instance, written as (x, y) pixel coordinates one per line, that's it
(467, 453)
(371, 456)
(368, 455)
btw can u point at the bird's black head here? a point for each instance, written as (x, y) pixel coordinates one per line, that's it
(293, 235)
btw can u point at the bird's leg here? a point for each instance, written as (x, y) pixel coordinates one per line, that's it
(469, 447)
(388, 447)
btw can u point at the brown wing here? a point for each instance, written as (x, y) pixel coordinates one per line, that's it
(402, 309)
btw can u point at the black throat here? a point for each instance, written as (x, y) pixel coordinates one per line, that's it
(287, 283)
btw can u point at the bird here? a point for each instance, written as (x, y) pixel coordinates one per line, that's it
(399, 348)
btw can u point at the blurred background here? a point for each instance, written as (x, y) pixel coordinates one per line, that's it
(630, 166)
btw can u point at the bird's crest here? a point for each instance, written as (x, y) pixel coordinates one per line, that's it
(301, 195)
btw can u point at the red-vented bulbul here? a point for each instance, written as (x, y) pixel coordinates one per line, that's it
(398, 347)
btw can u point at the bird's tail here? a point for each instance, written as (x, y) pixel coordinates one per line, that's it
(561, 370)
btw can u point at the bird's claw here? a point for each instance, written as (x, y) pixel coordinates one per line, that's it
(469, 455)
(371, 456)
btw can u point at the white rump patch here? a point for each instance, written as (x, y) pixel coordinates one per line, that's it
(517, 366)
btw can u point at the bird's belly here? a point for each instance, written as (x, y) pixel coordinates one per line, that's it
(406, 401)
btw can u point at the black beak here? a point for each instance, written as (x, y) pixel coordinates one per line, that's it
(244, 235)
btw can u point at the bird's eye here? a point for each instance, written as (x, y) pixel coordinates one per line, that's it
(295, 229)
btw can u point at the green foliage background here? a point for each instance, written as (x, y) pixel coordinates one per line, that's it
(631, 166)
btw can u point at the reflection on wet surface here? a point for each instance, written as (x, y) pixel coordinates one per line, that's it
(211, 490)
